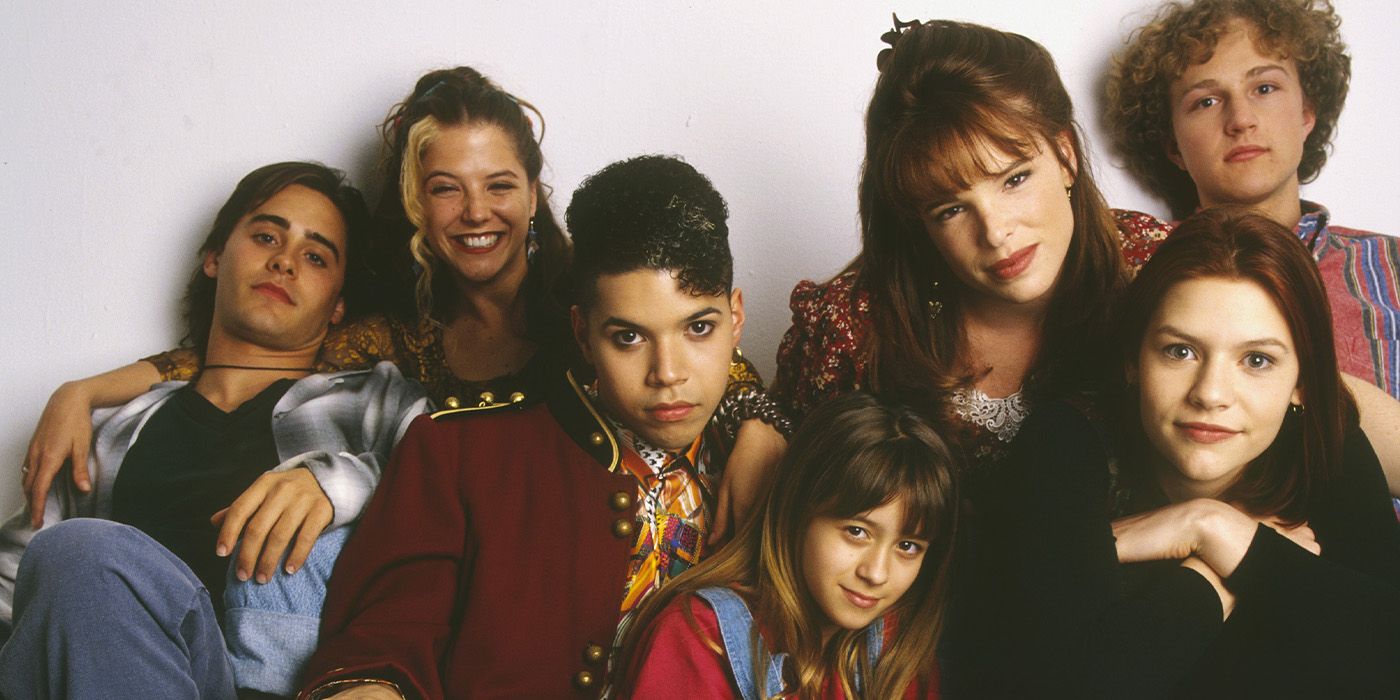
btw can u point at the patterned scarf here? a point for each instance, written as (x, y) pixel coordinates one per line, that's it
(675, 504)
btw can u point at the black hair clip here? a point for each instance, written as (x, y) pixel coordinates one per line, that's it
(891, 37)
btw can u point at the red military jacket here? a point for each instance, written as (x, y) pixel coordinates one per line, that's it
(491, 561)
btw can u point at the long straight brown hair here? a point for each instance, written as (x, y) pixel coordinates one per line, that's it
(945, 89)
(852, 454)
(1237, 244)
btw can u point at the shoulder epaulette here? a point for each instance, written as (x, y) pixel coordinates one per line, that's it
(486, 402)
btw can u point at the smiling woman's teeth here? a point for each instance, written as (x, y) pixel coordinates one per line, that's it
(485, 240)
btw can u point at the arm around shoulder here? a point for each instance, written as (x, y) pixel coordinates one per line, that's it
(824, 353)
(64, 432)
(1380, 419)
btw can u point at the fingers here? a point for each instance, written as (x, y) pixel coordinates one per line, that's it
(236, 516)
(720, 527)
(262, 532)
(276, 544)
(1304, 537)
(743, 506)
(37, 492)
(79, 462)
(279, 510)
(315, 523)
(62, 435)
(40, 467)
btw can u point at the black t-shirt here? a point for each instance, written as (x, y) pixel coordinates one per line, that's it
(192, 460)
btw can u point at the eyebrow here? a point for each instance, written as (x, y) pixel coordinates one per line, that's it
(335, 250)
(1251, 73)
(285, 225)
(618, 321)
(947, 197)
(498, 173)
(273, 219)
(1174, 331)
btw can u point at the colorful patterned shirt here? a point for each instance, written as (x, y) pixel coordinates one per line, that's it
(826, 351)
(675, 502)
(1361, 271)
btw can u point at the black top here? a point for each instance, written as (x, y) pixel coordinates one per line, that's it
(190, 461)
(1051, 613)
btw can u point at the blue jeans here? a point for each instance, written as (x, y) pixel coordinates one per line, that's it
(104, 611)
(271, 629)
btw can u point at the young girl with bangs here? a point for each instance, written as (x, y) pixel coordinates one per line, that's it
(836, 590)
(1229, 534)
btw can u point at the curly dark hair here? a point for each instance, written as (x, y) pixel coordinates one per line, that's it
(1184, 34)
(652, 212)
(252, 191)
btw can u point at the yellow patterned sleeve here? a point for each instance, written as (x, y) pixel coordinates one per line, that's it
(358, 344)
(745, 398)
(179, 364)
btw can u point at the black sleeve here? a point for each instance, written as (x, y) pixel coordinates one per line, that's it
(1339, 611)
(1086, 632)
(1355, 519)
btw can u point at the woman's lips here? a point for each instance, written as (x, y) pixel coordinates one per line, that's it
(477, 242)
(1206, 433)
(1013, 265)
(671, 412)
(275, 292)
(1241, 154)
(861, 601)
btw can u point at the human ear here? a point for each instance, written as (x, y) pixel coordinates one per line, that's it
(1069, 164)
(211, 264)
(1309, 118)
(1174, 154)
(736, 312)
(1296, 398)
(580, 325)
(338, 313)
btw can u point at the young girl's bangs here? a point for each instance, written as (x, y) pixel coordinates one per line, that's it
(898, 468)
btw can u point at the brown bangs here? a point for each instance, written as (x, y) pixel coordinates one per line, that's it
(902, 467)
(945, 152)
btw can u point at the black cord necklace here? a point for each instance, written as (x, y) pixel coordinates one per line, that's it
(269, 369)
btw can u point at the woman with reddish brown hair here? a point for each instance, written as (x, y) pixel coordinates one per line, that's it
(1227, 531)
(989, 259)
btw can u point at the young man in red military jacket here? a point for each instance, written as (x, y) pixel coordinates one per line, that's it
(507, 545)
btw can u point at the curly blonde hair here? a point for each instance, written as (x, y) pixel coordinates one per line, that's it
(1184, 34)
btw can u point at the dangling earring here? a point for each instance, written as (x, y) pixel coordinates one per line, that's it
(1069, 193)
(935, 306)
(532, 242)
(1295, 409)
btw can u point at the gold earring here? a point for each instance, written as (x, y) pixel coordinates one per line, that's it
(935, 306)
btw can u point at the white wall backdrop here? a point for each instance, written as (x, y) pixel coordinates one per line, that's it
(123, 128)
